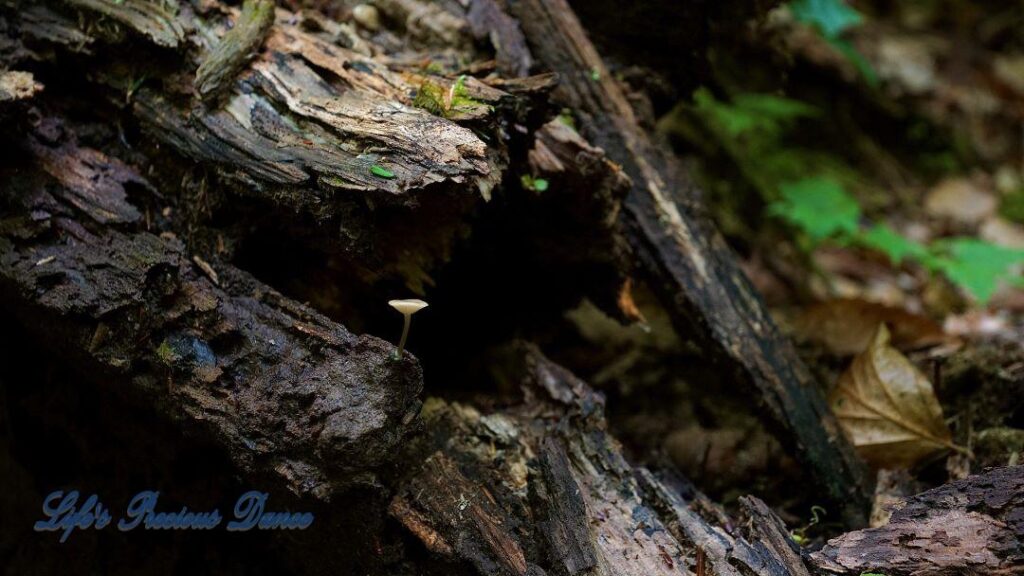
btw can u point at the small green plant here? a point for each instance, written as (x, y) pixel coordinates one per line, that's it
(831, 18)
(975, 265)
(808, 189)
(751, 128)
(132, 86)
(534, 184)
(765, 114)
(823, 210)
(819, 206)
(566, 117)
(799, 535)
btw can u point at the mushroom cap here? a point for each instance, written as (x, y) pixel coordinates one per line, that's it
(408, 306)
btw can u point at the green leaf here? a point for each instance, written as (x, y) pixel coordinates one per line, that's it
(819, 206)
(775, 107)
(977, 266)
(534, 184)
(381, 171)
(749, 112)
(830, 17)
(566, 118)
(889, 242)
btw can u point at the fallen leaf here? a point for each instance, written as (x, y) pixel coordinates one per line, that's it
(1002, 232)
(888, 409)
(1010, 71)
(961, 200)
(978, 323)
(907, 62)
(847, 326)
(626, 303)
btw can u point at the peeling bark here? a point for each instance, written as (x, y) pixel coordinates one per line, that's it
(971, 526)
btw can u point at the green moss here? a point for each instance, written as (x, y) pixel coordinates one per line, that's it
(430, 97)
(446, 103)
(566, 117)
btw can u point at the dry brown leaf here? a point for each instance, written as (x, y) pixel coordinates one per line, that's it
(962, 200)
(888, 408)
(1002, 232)
(846, 326)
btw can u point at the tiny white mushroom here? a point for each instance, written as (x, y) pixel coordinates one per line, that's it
(407, 308)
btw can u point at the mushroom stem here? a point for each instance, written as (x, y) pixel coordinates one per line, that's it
(405, 334)
(406, 308)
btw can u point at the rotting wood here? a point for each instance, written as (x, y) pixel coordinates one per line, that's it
(292, 397)
(306, 111)
(688, 263)
(151, 19)
(766, 548)
(301, 129)
(541, 488)
(487, 20)
(971, 526)
(235, 48)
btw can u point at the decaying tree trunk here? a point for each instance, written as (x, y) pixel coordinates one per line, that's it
(972, 526)
(365, 151)
(289, 394)
(688, 263)
(541, 488)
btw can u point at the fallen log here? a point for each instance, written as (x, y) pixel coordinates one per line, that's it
(293, 397)
(331, 140)
(377, 165)
(971, 526)
(542, 488)
(91, 266)
(687, 262)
